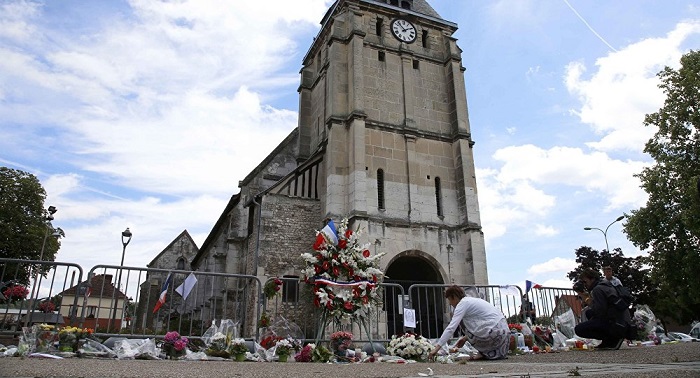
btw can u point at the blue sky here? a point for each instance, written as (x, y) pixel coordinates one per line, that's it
(141, 114)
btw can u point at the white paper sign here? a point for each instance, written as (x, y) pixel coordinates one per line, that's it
(409, 318)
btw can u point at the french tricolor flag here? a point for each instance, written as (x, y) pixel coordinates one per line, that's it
(531, 285)
(330, 232)
(163, 293)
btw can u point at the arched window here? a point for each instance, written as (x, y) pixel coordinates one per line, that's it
(380, 189)
(181, 264)
(438, 196)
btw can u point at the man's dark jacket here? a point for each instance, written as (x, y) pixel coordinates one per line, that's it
(603, 296)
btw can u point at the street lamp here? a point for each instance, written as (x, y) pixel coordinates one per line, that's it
(605, 233)
(52, 210)
(126, 238)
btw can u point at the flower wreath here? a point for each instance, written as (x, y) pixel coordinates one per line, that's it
(343, 273)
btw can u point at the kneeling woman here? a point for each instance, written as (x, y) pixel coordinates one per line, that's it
(486, 327)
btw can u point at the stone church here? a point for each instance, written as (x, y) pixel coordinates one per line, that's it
(383, 139)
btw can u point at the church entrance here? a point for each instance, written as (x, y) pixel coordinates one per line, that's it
(428, 302)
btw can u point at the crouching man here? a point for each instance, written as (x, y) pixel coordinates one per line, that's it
(606, 320)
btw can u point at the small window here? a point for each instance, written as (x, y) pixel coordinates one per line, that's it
(181, 264)
(380, 189)
(394, 3)
(381, 56)
(251, 219)
(405, 5)
(425, 38)
(290, 289)
(416, 64)
(379, 26)
(438, 196)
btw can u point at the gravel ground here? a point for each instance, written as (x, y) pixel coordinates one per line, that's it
(668, 360)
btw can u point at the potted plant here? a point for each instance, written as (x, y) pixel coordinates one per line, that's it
(238, 349)
(283, 349)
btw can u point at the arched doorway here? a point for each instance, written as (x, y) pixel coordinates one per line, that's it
(408, 269)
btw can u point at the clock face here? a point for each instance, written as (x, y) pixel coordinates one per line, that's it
(403, 30)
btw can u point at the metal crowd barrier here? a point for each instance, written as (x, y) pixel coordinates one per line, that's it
(121, 301)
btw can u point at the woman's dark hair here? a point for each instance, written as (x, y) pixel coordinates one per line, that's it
(579, 286)
(455, 291)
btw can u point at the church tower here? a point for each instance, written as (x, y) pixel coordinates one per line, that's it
(382, 99)
(384, 140)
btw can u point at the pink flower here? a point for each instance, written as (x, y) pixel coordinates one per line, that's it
(171, 337)
(180, 344)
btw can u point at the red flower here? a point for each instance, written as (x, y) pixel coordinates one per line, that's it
(329, 305)
(365, 253)
(348, 306)
(317, 302)
(365, 299)
(342, 243)
(325, 265)
(336, 271)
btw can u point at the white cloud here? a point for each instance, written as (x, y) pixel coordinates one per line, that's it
(555, 265)
(542, 230)
(624, 88)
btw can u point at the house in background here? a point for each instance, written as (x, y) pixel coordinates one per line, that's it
(98, 300)
(178, 255)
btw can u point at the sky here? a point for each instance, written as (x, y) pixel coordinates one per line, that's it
(146, 114)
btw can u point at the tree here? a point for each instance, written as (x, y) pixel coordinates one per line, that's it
(24, 224)
(630, 270)
(668, 226)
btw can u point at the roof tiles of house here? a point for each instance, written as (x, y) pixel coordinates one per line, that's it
(101, 286)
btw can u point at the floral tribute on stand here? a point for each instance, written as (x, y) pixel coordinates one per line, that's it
(343, 275)
(410, 346)
(174, 346)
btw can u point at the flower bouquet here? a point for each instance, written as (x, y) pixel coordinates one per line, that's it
(45, 337)
(218, 346)
(264, 321)
(515, 327)
(238, 348)
(174, 346)
(340, 342)
(47, 306)
(272, 288)
(68, 339)
(15, 293)
(410, 346)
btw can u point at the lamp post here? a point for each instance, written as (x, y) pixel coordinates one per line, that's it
(126, 238)
(52, 210)
(605, 233)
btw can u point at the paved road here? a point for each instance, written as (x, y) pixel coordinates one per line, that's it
(669, 360)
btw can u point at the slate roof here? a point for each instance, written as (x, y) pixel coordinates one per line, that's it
(101, 286)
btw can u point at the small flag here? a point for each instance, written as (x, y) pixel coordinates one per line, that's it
(330, 232)
(185, 288)
(531, 285)
(163, 293)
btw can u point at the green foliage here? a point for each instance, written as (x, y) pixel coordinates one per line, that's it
(632, 271)
(668, 226)
(23, 223)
